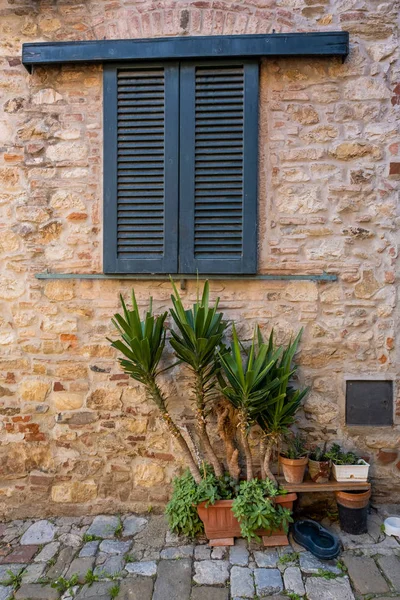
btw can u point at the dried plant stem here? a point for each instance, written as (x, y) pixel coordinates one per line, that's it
(202, 426)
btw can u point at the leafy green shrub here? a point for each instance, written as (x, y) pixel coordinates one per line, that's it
(339, 457)
(295, 447)
(319, 454)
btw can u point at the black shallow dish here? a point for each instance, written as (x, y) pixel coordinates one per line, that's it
(315, 538)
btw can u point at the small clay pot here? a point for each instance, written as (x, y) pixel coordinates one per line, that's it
(320, 470)
(293, 468)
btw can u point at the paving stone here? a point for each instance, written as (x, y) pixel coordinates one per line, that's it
(113, 566)
(80, 566)
(33, 572)
(6, 592)
(21, 554)
(266, 558)
(318, 588)
(173, 580)
(71, 539)
(71, 593)
(387, 547)
(40, 532)
(114, 547)
(242, 583)
(100, 590)
(173, 539)
(209, 593)
(15, 569)
(238, 555)
(293, 581)
(145, 568)
(89, 549)
(36, 591)
(390, 565)
(365, 575)
(61, 564)
(153, 536)
(219, 552)
(140, 588)
(311, 565)
(177, 552)
(48, 552)
(268, 581)
(202, 553)
(133, 525)
(211, 572)
(104, 526)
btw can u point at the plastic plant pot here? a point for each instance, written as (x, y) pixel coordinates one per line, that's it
(353, 511)
(392, 526)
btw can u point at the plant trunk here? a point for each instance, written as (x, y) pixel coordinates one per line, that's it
(246, 447)
(226, 430)
(263, 444)
(157, 397)
(202, 427)
(267, 459)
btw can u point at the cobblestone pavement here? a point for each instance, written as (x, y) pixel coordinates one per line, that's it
(137, 558)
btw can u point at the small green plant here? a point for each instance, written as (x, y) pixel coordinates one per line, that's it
(14, 579)
(254, 508)
(290, 557)
(90, 538)
(295, 446)
(293, 596)
(382, 528)
(326, 574)
(119, 529)
(319, 454)
(114, 591)
(340, 565)
(90, 578)
(338, 457)
(130, 558)
(62, 585)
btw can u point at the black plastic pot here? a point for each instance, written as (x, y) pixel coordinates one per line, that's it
(353, 511)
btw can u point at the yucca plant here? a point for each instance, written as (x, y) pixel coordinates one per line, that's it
(198, 337)
(248, 384)
(142, 343)
(284, 401)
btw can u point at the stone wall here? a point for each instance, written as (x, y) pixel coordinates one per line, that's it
(76, 435)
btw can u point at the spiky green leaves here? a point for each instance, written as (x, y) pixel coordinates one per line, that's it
(142, 342)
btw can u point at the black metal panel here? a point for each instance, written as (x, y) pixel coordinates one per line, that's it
(218, 181)
(141, 107)
(369, 402)
(326, 43)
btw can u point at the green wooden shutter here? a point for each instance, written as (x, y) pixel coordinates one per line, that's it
(218, 172)
(141, 105)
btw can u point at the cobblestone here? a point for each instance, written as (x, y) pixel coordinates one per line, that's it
(365, 575)
(173, 580)
(268, 581)
(390, 566)
(40, 532)
(293, 581)
(145, 568)
(242, 584)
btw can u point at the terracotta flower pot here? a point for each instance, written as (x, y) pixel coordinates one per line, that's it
(221, 524)
(353, 499)
(293, 468)
(320, 470)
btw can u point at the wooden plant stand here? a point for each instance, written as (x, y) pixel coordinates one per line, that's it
(330, 486)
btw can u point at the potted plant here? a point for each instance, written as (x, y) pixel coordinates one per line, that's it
(319, 465)
(294, 459)
(250, 508)
(347, 466)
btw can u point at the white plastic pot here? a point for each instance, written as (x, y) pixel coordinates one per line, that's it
(346, 473)
(392, 526)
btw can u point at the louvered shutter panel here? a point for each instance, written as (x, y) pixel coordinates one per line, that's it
(141, 168)
(218, 174)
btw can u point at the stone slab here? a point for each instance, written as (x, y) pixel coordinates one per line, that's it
(40, 532)
(293, 581)
(206, 592)
(111, 567)
(390, 566)
(48, 552)
(133, 525)
(268, 581)
(97, 591)
(103, 526)
(145, 568)
(33, 572)
(173, 580)
(21, 554)
(202, 553)
(311, 565)
(239, 555)
(139, 588)
(266, 558)
(177, 552)
(15, 569)
(211, 572)
(6, 592)
(80, 566)
(318, 588)
(365, 575)
(115, 547)
(36, 591)
(62, 563)
(89, 549)
(242, 583)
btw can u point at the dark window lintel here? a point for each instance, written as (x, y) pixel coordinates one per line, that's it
(326, 43)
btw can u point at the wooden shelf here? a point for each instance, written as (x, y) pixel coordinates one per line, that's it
(331, 486)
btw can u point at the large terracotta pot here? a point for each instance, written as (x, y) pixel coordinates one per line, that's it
(293, 468)
(353, 499)
(221, 524)
(319, 470)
